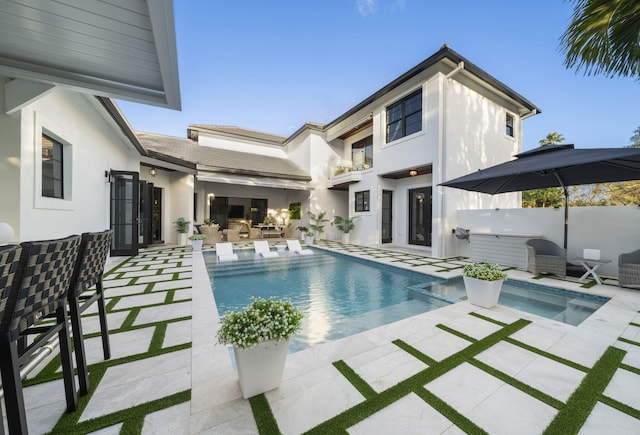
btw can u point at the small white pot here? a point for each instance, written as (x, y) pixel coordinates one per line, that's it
(197, 245)
(345, 238)
(260, 367)
(309, 240)
(482, 293)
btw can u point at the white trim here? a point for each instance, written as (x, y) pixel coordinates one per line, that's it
(254, 181)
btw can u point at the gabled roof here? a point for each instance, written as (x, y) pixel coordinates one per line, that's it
(444, 53)
(123, 49)
(235, 132)
(209, 159)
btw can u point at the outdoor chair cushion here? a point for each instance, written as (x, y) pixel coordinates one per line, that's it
(544, 256)
(629, 269)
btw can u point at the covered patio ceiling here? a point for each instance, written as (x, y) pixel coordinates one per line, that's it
(118, 49)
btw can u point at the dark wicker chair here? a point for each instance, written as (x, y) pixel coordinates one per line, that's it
(88, 272)
(39, 289)
(544, 256)
(629, 269)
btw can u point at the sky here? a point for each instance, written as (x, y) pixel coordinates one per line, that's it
(273, 65)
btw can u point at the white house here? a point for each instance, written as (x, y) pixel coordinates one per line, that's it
(381, 160)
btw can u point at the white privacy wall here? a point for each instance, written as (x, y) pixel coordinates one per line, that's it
(613, 230)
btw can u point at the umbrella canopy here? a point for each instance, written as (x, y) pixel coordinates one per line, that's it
(554, 166)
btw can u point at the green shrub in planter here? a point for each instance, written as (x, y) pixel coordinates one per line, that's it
(484, 271)
(260, 321)
(198, 237)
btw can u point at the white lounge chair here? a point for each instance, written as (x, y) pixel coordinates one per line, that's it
(294, 246)
(224, 252)
(262, 247)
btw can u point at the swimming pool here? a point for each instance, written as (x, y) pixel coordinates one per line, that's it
(342, 295)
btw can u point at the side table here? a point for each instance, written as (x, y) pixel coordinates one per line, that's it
(591, 266)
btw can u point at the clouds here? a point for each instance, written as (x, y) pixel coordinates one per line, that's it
(370, 7)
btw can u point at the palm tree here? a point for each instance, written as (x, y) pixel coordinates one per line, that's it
(551, 139)
(603, 38)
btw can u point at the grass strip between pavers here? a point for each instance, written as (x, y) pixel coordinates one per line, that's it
(262, 414)
(451, 413)
(626, 340)
(632, 369)
(551, 356)
(572, 416)
(415, 352)
(360, 384)
(365, 409)
(622, 407)
(456, 333)
(488, 319)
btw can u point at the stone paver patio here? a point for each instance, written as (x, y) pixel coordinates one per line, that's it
(457, 369)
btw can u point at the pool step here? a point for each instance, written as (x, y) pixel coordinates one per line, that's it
(262, 265)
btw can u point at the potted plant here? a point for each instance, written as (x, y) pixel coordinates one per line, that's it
(260, 335)
(317, 221)
(182, 227)
(483, 282)
(307, 235)
(197, 240)
(345, 225)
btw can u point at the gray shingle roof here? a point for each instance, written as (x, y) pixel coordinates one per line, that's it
(221, 160)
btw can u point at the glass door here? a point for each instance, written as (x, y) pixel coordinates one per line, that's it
(420, 216)
(387, 216)
(124, 212)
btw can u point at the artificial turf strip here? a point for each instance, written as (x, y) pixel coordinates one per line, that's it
(547, 354)
(415, 352)
(135, 415)
(368, 407)
(262, 414)
(456, 333)
(448, 411)
(626, 340)
(634, 324)
(632, 369)
(488, 319)
(620, 406)
(533, 392)
(572, 416)
(360, 384)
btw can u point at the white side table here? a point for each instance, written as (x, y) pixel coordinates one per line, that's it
(591, 266)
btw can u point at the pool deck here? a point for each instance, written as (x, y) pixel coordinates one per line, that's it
(457, 369)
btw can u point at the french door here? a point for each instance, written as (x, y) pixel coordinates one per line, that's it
(125, 207)
(387, 216)
(420, 216)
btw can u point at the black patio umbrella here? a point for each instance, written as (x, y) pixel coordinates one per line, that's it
(554, 166)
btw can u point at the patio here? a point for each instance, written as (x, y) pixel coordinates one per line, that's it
(457, 369)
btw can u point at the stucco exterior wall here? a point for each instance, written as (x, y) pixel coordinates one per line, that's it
(9, 165)
(94, 146)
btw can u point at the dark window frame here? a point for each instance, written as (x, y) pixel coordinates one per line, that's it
(362, 202)
(406, 113)
(52, 185)
(509, 125)
(367, 145)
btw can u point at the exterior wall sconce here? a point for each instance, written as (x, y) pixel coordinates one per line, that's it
(153, 172)
(413, 172)
(107, 176)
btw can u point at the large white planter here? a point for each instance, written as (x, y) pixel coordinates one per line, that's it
(482, 293)
(308, 240)
(345, 238)
(197, 245)
(260, 367)
(182, 239)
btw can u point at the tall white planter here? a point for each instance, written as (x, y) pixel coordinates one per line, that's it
(482, 293)
(309, 240)
(345, 238)
(197, 245)
(182, 239)
(260, 367)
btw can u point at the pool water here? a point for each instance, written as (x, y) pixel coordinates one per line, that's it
(341, 295)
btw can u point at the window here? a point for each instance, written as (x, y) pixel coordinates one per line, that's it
(362, 201)
(509, 125)
(405, 117)
(52, 168)
(362, 154)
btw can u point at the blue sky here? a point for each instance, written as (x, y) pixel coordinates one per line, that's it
(273, 65)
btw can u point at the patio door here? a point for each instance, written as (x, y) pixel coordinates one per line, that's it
(420, 216)
(387, 216)
(125, 206)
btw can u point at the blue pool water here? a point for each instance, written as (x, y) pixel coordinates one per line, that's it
(341, 295)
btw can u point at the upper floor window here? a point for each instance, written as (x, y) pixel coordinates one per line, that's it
(362, 201)
(405, 116)
(52, 168)
(509, 125)
(362, 154)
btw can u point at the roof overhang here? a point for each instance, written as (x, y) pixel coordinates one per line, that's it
(124, 50)
(275, 183)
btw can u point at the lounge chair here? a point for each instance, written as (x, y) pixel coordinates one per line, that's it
(232, 234)
(224, 252)
(544, 256)
(629, 269)
(213, 233)
(294, 246)
(262, 248)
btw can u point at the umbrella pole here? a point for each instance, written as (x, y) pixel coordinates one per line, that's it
(566, 209)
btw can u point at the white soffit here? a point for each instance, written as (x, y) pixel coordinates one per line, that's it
(122, 49)
(275, 183)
